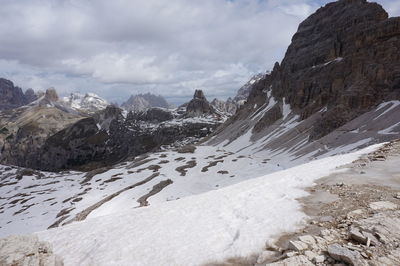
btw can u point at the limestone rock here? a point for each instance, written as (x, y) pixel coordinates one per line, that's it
(383, 205)
(297, 245)
(340, 253)
(27, 251)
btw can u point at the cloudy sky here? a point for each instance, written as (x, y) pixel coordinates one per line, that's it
(169, 47)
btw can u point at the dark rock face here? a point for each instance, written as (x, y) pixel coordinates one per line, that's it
(345, 57)
(11, 96)
(30, 95)
(51, 95)
(199, 105)
(92, 143)
(152, 115)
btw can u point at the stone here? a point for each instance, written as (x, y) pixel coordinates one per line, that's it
(341, 253)
(357, 236)
(355, 213)
(297, 245)
(319, 259)
(310, 255)
(383, 205)
(307, 239)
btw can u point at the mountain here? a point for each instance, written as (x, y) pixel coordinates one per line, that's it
(24, 130)
(227, 107)
(142, 102)
(304, 173)
(13, 97)
(199, 105)
(337, 85)
(89, 102)
(245, 90)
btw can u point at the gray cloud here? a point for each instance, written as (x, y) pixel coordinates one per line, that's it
(117, 48)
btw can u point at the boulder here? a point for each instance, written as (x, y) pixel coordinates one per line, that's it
(341, 253)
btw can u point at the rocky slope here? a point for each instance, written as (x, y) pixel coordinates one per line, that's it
(244, 91)
(24, 130)
(13, 97)
(337, 84)
(227, 107)
(141, 102)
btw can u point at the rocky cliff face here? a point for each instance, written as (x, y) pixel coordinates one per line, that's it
(345, 57)
(199, 105)
(245, 90)
(11, 96)
(342, 63)
(108, 138)
(227, 107)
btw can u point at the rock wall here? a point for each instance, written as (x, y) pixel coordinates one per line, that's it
(345, 57)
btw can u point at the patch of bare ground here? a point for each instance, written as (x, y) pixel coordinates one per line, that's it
(211, 164)
(182, 169)
(163, 162)
(89, 175)
(223, 172)
(152, 167)
(156, 189)
(84, 214)
(180, 159)
(354, 217)
(139, 161)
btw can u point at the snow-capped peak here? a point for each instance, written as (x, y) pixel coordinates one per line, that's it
(89, 102)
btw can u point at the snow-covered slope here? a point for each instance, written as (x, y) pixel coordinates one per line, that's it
(233, 221)
(89, 102)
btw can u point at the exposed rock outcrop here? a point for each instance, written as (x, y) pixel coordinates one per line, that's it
(12, 96)
(244, 92)
(343, 62)
(228, 107)
(30, 95)
(108, 138)
(51, 95)
(27, 250)
(199, 105)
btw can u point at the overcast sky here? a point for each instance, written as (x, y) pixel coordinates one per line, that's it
(116, 48)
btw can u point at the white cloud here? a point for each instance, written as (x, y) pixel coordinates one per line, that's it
(116, 48)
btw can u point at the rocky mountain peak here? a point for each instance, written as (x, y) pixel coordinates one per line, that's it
(142, 102)
(30, 95)
(10, 95)
(51, 95)
(198, 94)
(343, 59)
(199, 105)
